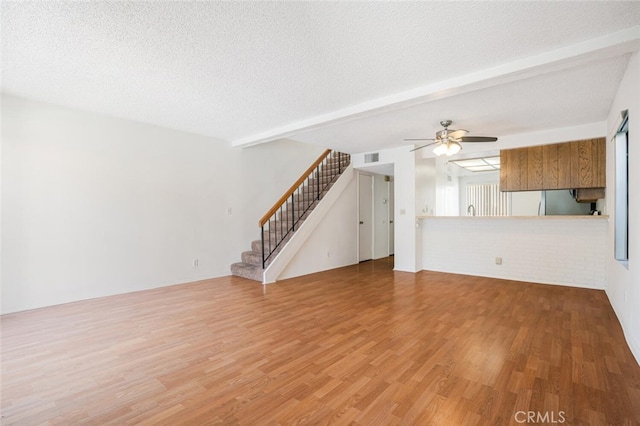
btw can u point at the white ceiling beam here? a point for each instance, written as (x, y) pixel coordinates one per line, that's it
(607, 46)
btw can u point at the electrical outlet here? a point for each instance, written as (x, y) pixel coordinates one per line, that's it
(196, 263)
(228, 211)
(498, 261)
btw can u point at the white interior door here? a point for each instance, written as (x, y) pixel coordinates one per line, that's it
(365, 211)
(391, 222)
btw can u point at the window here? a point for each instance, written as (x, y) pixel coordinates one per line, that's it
(622, 190)
(487, 200)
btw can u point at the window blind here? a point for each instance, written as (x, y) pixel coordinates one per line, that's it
(488, 200)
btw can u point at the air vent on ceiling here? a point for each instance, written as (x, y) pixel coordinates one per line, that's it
(372, 158)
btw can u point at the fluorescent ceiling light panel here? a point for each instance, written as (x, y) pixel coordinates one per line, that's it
(486, 168)
(479, 164)
(471, 163)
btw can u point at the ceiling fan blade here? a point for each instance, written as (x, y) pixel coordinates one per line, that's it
(478, 139)
(423, 146)
(455, 134)
(419, 139)
(452, 133)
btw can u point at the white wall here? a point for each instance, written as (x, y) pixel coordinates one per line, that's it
(334, 243)
(623, 286)
(407, 244)
(425, 187)
(447, 188)
(549, 250)
(93, 205)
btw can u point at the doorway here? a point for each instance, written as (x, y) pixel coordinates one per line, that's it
(375, 216)
(390, 192)
(365, 212)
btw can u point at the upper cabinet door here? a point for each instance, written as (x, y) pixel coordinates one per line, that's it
(535, 173)
(556, 166)
(564, 166)
(513, 169)
(588, 163)
(581, 164)
(550, 171)
(504, 167)
(601, 167)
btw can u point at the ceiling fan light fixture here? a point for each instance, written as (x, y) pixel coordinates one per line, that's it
(440, 149)
(447, 148)
(453, 148)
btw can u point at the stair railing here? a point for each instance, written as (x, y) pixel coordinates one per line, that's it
(281, 219)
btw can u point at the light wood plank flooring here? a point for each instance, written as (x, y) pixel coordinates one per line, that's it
(358, 345)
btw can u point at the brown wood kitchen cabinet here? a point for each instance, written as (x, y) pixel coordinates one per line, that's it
(568, 165)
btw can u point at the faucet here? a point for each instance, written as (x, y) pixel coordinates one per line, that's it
(471, 209)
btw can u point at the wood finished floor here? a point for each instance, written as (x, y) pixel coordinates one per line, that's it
(358, 345)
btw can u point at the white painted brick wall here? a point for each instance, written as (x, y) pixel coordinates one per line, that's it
(548, 251)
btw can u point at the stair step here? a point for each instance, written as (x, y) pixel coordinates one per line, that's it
(312, 195)
(256, 245)
(336, 164)
(313, 185)
(306, 194)
(302, 203)
(245, 270)
(324, 179)
(327, 171)
(252, 258)
(277, 232)
(285, 215)
(276, 235)
(299, 208)
(281, 227)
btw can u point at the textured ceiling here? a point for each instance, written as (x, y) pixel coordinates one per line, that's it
(234, 70)
(558, 99)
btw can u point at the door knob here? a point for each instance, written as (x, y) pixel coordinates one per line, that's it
(361, 223)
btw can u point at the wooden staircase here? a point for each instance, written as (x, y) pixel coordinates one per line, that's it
(281, 221)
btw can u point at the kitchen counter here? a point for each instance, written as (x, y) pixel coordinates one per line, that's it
(585, 216)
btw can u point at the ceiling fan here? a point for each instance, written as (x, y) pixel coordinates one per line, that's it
(447, 142)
